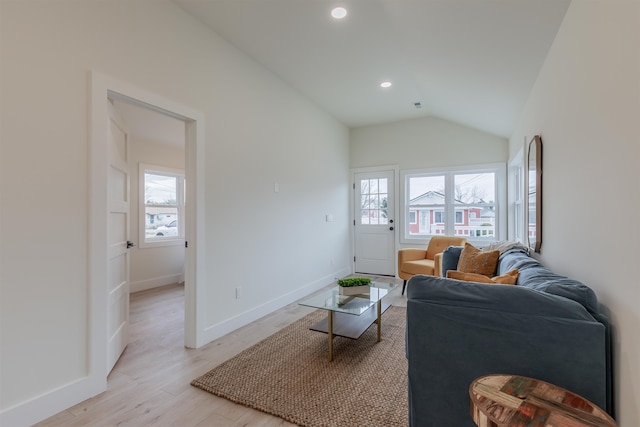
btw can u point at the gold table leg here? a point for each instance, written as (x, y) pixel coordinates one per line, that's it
(330, 330)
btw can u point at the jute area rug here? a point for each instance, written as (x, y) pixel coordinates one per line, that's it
(289, 375)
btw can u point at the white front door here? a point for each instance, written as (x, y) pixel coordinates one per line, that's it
(118, 239)
(374, 223)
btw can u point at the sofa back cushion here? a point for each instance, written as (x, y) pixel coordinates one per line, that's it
(533, 275)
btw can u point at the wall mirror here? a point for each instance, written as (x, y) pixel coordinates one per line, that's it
(534, 166)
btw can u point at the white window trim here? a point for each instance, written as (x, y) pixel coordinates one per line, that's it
(516, 198)
(500, 203)
(166, 241)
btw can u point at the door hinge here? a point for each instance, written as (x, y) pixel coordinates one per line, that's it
(354, 185)
(354, 259)
(186, 244)
(354, 222)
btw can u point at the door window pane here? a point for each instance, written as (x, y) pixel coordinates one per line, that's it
(374, 201)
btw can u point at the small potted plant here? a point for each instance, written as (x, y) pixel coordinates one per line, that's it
(354, 286)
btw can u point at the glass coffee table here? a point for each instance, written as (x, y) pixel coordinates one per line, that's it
(350, 315)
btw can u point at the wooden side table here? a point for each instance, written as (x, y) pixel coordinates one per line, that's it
(514, 401)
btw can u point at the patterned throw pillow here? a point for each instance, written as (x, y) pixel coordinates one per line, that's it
(473, 260)
(509, 278)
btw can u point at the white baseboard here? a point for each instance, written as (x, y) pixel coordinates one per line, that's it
(154, 282)
(50, 403)
(220, 329)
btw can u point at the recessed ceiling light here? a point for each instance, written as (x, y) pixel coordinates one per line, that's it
(339, 12)
(385, 84)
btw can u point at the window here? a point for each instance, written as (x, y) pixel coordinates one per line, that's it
(161, 206)
(374, 201)
(412, 217)
(461, 202)
(427, 203)
(516, 199)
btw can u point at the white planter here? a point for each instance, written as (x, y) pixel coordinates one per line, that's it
(354, 290)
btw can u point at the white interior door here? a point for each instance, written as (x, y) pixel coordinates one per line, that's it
(118, 239)
(374, 223)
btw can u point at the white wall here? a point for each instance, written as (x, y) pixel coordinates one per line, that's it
(258, 130)
(424, 143)
(153, 266)
(586, 106)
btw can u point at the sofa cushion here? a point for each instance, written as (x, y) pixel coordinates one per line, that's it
(508, 278)
(534, 275)
(450, 258)
(421, 266)
(474, 260)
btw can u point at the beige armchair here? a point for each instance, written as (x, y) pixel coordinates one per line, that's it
(412, 261)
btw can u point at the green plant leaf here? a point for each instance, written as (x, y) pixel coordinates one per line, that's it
(354, 281)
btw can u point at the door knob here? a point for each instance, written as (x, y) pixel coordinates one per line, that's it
(130, 244)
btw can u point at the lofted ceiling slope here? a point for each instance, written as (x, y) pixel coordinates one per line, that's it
(468, 61)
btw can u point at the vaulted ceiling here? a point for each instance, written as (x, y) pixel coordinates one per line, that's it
(469, 61)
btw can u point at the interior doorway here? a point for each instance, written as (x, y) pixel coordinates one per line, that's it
(156, 212)
(102, 89)
(158, 202)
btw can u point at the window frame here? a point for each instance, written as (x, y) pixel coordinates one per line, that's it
(500, 203)
(517, 203)
(179, 174)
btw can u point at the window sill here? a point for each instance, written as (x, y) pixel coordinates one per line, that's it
(162, 243)
(425, 241)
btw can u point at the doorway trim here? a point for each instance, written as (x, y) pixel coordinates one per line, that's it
(103, 87)
(352, 210)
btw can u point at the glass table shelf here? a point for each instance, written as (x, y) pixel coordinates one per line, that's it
(350, 315)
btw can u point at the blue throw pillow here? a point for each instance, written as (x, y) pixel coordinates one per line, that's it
(450, 257)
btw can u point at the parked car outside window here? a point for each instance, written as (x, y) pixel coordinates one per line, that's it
(170, 229)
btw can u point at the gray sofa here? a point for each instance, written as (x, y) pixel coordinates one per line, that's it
(547, 326)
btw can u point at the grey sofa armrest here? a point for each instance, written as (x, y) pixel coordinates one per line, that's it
(458, 331)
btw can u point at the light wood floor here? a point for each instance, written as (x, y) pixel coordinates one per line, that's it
(150, 384)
